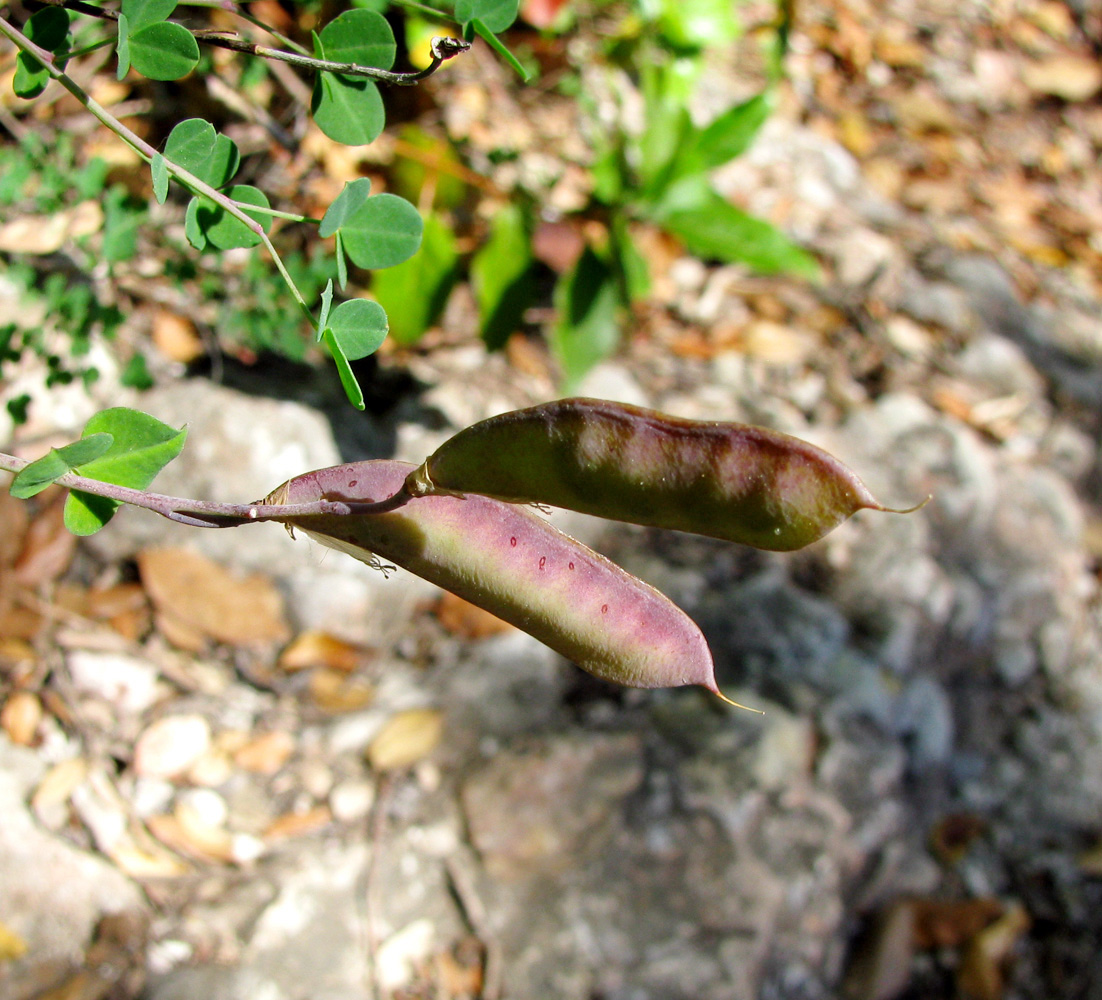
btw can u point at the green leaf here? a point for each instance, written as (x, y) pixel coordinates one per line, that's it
(385, 230)
(164, 51)
(725, 137)
(586, 330)
(414, 293)
(159, 172)
(496, 15)
(359, 327)
(122, 48)
(501, 273)
(667, 130)
(349, 109)
(225, 232)
(48, 28)
(345, 205)
(348, 380)
(717, 230)
(610, 175)
(193, 230)
(199, 149)
(634, 271)
(142, 446)
(342, 262)
(122, 216)
(359, 36)
(34, 478)
(142, 13)
(498, 46)
(698, 24)
(136, 373)
(326, 305)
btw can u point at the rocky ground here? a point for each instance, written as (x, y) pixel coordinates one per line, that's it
(303, 780)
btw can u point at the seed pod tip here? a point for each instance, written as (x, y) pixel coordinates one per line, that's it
(722, 697)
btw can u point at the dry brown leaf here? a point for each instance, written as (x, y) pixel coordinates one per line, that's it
(528, 356)
(56, 786)
(924, 110)
(297, 823)
(334, 691)
(43, 234)
(315, 648)
(193, 590)
(21, 716)
(18, 626)
(175, 337)
(181, 634)
(941, 924)
(14, 521)
(895, 49)
(146, 861)
(1069, 77)
(1054, 18)
(212, 769)
(855, 133)
(192, 838)
(405, 739)
(459, 970)
(777, 344)
(47, 546)
(267, 753)
(981, 975)
(460, 617)
(123, 606)
(171, 745)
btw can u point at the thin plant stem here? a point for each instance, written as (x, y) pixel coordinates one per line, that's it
(208, 513)
(442, 48)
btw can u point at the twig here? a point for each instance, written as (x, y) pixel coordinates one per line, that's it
(208, 513)
(442, 49)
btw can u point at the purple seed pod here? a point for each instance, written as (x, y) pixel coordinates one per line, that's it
(731, 481)
(514, 564)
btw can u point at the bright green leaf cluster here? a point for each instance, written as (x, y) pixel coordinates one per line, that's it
(372, 232)
(120, 446)
(49, 29)
(154, 46)
(349, 109)
(213, 158)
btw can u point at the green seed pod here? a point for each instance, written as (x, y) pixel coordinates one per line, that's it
(514, 564)
(731, 481)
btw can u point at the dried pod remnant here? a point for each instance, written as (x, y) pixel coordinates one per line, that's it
(731, 481)
(514, 564)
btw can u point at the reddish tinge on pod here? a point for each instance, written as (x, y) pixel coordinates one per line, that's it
(731, 481)
(514, 564)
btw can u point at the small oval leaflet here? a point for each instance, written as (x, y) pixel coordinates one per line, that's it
(725, 480)
(515, 565)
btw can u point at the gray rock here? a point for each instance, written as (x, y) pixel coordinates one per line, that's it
(925, 721)
(938, 303)
(1071, 362)
(51, 894)
(768, 632)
